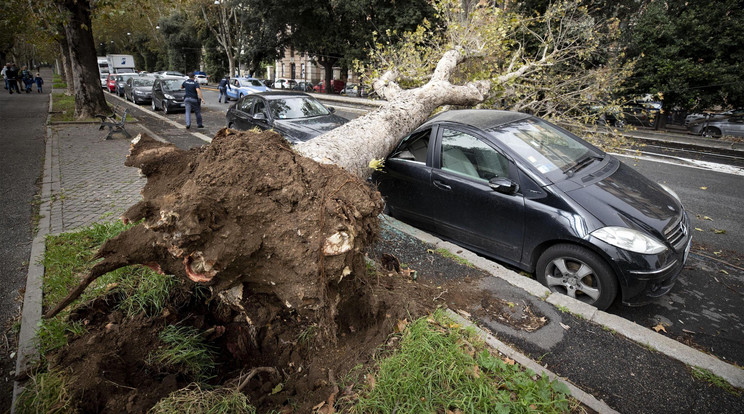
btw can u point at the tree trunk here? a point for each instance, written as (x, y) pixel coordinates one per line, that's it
(89, 98)
(66, 68)
(353, 145)
(328, 66)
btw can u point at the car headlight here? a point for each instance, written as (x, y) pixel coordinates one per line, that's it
(629, 239)
(671, 192)
(166, 96)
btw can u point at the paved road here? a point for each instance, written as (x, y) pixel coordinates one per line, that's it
(21, 155)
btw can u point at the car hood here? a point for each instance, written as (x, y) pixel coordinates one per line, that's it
(142, 88)
(624, 198)
(178, 94)
(297, 130)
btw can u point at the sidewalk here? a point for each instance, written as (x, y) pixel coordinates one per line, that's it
(88, 183)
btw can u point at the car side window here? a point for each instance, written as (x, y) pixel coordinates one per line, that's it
(260, 107)
(246, 104)
(414, 147)
(465, 154)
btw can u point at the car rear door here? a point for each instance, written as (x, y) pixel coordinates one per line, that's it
(466, 207)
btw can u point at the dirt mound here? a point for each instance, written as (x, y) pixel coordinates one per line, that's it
(279, 240)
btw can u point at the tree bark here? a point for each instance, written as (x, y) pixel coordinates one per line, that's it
(66, 69)
(353, 145)
(89, 98)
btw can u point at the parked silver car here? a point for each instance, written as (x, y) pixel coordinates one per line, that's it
(719, 125)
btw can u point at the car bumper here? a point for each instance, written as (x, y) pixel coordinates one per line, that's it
(644, 277)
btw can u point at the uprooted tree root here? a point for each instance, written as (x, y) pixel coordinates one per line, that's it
(279, 240)
(247, 213)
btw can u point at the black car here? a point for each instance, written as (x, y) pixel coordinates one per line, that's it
(121, 82)
(528, 193)
(138, 89)
(168, 95)
(297, 116)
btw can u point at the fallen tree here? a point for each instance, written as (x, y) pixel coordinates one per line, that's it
(263, 224)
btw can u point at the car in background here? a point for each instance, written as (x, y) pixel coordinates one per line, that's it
(168, 95)
(282, 83)
(104, 79)
(169, 73)
(111, 82)
(303, 86)
(353, 89)
(267, 82)
(138, 89)
(295, 115)
(730, 123)
(336, 85)
(121, 81)
(201, 79)
(240, 87)
(523, 191)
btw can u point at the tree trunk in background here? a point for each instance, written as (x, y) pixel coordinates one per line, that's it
(353, 145)
(66, 68)
(89, 98)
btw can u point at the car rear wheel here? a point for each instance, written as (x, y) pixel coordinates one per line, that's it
(712, 132)
(579, 273)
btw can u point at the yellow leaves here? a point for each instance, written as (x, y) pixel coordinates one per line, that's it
(509, 361)
(401, 325)
(703, 188)
(659, 327)
(719, 231)
(699, 229)
(377, 164)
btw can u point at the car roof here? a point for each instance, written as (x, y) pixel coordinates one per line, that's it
(480, 118)
(272, 94)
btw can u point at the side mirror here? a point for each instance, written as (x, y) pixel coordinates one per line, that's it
(259, 116)
(332, 109)
(503, 185)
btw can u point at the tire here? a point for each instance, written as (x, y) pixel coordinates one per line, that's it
(165, 108)
(558, 270)
(154, 107)
(712, 132)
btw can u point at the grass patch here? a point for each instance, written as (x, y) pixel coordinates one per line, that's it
(193, 399)
(441, 367)
(63, 106)
(709, 377)
(449, 255)
(184, 350)
(68, 256)
(45, 392)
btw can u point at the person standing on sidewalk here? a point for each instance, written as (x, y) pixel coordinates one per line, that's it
(39, 81)
(12, 74)
(5, 77)
(223, 87)
(193, 99)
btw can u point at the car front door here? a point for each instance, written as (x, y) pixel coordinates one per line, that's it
(157, 94)
(734, 126)
(243, 119)
(476, 195)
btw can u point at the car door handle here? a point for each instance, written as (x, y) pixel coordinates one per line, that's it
(442, 185)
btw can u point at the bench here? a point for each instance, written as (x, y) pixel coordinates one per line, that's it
(113, 124)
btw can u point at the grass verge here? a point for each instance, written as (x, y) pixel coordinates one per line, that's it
(709, 377)
(443, 367)
(184, 351)
(45, 392)
(193, 399)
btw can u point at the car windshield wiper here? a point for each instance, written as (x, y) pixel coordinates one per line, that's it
(581, 163)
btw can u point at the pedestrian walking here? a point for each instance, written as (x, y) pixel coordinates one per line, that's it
(5, 77)
(193, 99)
(223, 87)
(27, 79)
(12, 78)
(39, 81)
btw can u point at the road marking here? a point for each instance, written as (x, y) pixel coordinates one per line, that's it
(163, 118)
(685, 162)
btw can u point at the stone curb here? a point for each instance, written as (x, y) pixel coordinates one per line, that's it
(27, 352)
(576, 392)
(637, 333)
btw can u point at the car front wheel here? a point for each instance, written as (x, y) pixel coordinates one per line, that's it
(579, 273)
(154, 107)
(166, 110)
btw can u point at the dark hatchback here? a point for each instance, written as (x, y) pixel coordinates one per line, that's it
(168, 95)
(295, 115)
(528, 193)
(138, 89)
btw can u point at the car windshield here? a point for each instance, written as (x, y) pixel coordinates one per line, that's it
(545, 147)
(172, 84)
(296, 107)
(143, 82)
(250, 82)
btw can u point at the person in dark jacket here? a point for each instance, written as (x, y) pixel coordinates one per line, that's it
(193, 99)
(39, 81)
(12, 76)
(223, 87)
(27, 79)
